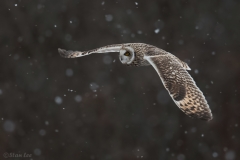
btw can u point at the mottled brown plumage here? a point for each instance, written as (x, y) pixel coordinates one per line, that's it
(171, 70)
(181, 87)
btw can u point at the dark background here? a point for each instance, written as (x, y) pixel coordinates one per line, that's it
(95, 108)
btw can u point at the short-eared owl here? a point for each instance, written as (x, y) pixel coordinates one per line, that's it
(171, 70)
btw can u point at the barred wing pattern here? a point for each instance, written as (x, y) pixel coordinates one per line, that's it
(76, 54)
(181, 87)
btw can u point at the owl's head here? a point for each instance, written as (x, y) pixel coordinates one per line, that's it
(126, 55)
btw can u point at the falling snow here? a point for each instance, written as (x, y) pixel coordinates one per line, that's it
(9, 126)
(78, 98)
(108, 17)
(230, 155)
(93, 86)
(215, 154)
(58, 100)
(157, 30)
(196, 71)
(42, 132)
(107, 59)
(69, 72)
(37, 152)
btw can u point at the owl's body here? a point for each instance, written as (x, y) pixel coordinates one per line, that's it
(171, 70)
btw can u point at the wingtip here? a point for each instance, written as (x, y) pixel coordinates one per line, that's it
(210, 118)
(187, 67)
(60, 51)
(207, 117)
(63, 53)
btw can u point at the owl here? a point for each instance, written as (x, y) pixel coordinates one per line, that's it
(171, 70)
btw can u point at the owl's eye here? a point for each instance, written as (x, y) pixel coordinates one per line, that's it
(127, 54)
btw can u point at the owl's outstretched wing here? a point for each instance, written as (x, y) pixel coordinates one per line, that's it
(181, 86)
(75, 54)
